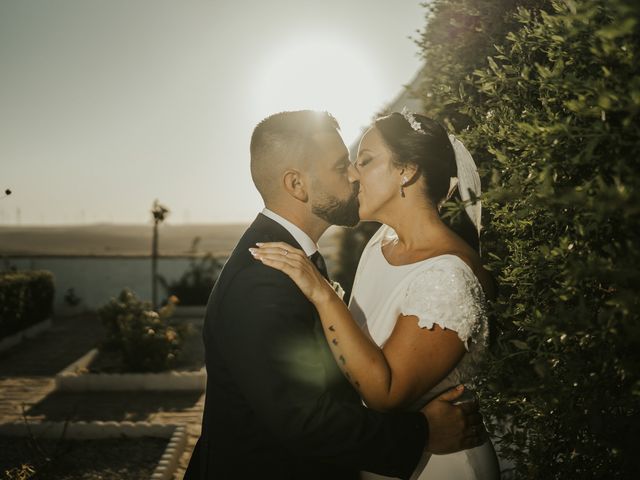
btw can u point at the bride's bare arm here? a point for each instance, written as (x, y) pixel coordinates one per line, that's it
(412, 361)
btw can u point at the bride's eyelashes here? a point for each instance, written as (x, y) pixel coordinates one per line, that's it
(362, 163)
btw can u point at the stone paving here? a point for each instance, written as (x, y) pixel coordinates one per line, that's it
(27, 386)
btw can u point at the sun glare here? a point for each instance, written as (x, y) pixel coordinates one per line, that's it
(321, 74)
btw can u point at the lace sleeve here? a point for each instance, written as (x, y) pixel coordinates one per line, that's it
(447, 292)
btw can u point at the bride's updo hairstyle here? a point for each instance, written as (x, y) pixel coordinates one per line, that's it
(433, 154)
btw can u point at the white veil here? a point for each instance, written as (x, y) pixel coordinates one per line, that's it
(468, 182)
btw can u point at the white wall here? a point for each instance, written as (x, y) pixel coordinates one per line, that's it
(96, 279)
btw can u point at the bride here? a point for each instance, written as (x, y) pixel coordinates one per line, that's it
(416, 323)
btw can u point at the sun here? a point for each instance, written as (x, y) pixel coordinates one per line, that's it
(321, 73)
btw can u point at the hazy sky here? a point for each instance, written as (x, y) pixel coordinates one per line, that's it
(106, 105)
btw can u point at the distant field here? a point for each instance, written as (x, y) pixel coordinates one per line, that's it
(127, 240)
(104, 239)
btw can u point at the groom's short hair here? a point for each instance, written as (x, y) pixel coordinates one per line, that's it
(283, 140)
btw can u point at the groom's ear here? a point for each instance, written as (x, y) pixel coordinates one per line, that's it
(294, 185)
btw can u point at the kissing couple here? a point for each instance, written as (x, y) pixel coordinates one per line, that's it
(302, 386)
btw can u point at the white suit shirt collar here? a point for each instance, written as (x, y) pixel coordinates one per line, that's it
(309, 246)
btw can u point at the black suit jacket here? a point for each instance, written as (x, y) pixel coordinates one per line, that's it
(277, 405)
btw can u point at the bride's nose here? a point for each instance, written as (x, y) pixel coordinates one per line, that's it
(352, 174)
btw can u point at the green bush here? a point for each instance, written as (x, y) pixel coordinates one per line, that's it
(195, 285)
(552, 116)
(26, 298)
(141, 335)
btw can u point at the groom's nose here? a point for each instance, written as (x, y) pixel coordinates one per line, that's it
(352, 174)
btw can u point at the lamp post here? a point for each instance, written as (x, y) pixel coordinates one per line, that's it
(159, 213)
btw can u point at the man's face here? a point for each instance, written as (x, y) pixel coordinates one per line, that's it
(334, 195)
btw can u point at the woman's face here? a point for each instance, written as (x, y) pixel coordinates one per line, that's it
(379, 178)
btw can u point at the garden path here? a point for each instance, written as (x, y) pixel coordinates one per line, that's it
(27, 386)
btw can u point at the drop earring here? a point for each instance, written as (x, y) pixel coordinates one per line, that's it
(405, 180)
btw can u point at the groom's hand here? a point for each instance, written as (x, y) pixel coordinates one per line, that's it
(453, 427)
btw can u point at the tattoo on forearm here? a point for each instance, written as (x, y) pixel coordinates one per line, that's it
(343, 360)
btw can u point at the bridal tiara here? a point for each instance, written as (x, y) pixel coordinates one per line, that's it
(411, 119)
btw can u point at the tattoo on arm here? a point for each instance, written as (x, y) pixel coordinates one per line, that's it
(343, 361)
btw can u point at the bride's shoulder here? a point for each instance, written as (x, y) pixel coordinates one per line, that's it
(470, 262)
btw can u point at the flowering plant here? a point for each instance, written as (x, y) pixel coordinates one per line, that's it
(142, 336)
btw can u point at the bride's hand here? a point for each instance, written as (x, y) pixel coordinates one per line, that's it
(297, 266)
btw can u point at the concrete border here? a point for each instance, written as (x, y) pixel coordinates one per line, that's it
(29, 332)
(76, 378)
(167, 464)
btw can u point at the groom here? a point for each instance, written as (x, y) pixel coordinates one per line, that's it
(277, 406)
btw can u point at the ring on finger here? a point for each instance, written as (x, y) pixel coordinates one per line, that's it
(286, 252)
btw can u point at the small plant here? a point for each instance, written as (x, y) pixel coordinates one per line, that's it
(141, 335)
(71, 299)
(39, 459)
(195, 285)
(23, 472)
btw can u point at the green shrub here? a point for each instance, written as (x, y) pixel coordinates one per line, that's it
(141, 335)
(26, 298)
(195, 285)
(552, 117)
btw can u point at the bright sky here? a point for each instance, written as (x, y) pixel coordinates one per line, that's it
(107, 105)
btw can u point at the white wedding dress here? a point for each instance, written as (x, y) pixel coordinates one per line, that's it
(441, 290)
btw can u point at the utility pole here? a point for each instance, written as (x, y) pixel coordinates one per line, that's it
(159, 213)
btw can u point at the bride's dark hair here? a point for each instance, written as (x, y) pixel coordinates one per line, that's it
(433, 154)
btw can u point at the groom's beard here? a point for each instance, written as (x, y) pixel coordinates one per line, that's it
(339, 212)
